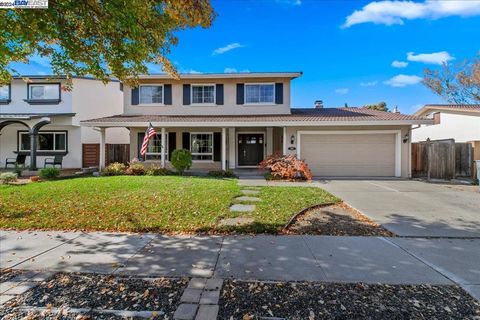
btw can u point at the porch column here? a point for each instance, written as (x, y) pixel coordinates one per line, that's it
(232, 144)
(33, 149)
(269, 140)
(162, 149)
(101, 164)
(284, 140)
(224, 149)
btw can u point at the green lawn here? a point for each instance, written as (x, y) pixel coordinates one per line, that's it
(160, 204)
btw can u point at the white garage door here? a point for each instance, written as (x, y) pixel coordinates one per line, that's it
(349, 155)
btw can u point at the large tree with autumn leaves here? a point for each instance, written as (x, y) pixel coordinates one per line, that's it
(101, 38)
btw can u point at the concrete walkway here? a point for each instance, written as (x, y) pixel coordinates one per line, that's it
(295, 258)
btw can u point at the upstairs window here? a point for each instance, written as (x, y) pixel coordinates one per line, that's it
(203, 94)
(44, 91)
(152, 94)
(201, 146)
(5, 92)
(260, 93)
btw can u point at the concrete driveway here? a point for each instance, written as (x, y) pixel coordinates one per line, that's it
(412, 208)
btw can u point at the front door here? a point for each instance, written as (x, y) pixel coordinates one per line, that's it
(250, 149)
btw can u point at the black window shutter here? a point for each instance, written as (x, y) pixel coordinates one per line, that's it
(219, 93)
(278, 93)
(141, 135)
(186, 140)
(217, 146)
(172, 143)
(135, 96)
(186, 94)
(167, 94)
(240, 93)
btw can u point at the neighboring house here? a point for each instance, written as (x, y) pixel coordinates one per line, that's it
(235, 120)
(451, 121)
(40, 111)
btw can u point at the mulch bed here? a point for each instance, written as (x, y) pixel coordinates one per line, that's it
(75, 290)
(8, 274)
(294, 300)
(336, 220)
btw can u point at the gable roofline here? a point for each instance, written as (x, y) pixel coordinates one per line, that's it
(473, 109)
(230, 75)
(57, 77)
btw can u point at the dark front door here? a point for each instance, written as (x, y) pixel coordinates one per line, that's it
(250, 149)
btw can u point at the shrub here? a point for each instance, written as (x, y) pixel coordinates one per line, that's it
(222, 174)
(114, 169)
(135, 168)
(49, 173)
(8, 177)
(181, 160)
(18, 170)
(287, 167)
(158, 171)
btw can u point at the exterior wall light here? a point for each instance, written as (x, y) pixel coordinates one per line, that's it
(292, 139)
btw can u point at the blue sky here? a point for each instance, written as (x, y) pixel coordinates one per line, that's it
(344, 48)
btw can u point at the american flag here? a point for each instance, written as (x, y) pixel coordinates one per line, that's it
(148, 134)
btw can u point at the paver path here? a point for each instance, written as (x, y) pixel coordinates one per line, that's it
(296, 258)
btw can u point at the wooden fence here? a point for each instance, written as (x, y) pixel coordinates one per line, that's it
(113, 153)
(442, 159)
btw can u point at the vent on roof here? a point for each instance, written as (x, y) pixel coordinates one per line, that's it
(318, 104)
(395, 110)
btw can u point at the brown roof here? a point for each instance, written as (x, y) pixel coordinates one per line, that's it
(297, 115)
(475, 108)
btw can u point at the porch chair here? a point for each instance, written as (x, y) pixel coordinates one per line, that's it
(19, 161)
(56, 161)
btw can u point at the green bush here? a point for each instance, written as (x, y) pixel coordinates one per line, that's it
(114, 169)
(8, 177)
(222, 174)
(49, 173)
(158, 171)
(135, 168)
(181, 160)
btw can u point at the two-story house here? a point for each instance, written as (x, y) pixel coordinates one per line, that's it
(234, 120)
(39, 110)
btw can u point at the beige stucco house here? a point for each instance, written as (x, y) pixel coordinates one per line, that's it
(234, 120)
(39, 110)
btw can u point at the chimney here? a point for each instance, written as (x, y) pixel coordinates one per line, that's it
(318, 104)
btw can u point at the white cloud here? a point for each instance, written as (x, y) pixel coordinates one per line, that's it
(399, 64)
(234, 70)
(342, 90)
(227, 48)
(369, 84)
(395, 12)
(403, 80)
(190, 71)
(432, 58)
(290, 2)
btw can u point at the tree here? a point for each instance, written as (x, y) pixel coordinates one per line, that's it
(458, 83)
(381, 106)
(101, 38)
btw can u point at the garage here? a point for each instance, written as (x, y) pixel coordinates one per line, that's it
(350, 154)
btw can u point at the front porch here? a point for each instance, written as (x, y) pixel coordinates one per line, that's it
(212, 148)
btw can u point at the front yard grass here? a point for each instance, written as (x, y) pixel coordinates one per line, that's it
(141, 204)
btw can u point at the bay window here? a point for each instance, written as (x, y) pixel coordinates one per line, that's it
(201, 146)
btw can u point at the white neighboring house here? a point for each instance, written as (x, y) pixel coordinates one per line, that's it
(459, 122)
(40, 107)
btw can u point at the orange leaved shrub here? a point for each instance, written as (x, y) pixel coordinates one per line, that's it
(287, 167)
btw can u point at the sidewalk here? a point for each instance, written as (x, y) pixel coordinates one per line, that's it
(290, 258)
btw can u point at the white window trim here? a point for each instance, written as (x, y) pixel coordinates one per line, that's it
(44, 132)
(203, 85)
(31, 85)
(164, 146)
(258, 103)
(151, 104)
(398, 142)
(213, 147)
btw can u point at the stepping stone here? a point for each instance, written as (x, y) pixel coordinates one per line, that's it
(191, 295)
(247, 198)
(214, 284)
(239, 221)
(242, 207)
(210, 297)
(207, 312)
(250, 192)
(185, 312)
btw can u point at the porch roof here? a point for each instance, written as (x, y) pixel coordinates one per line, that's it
(30, 116)
(297, 117)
